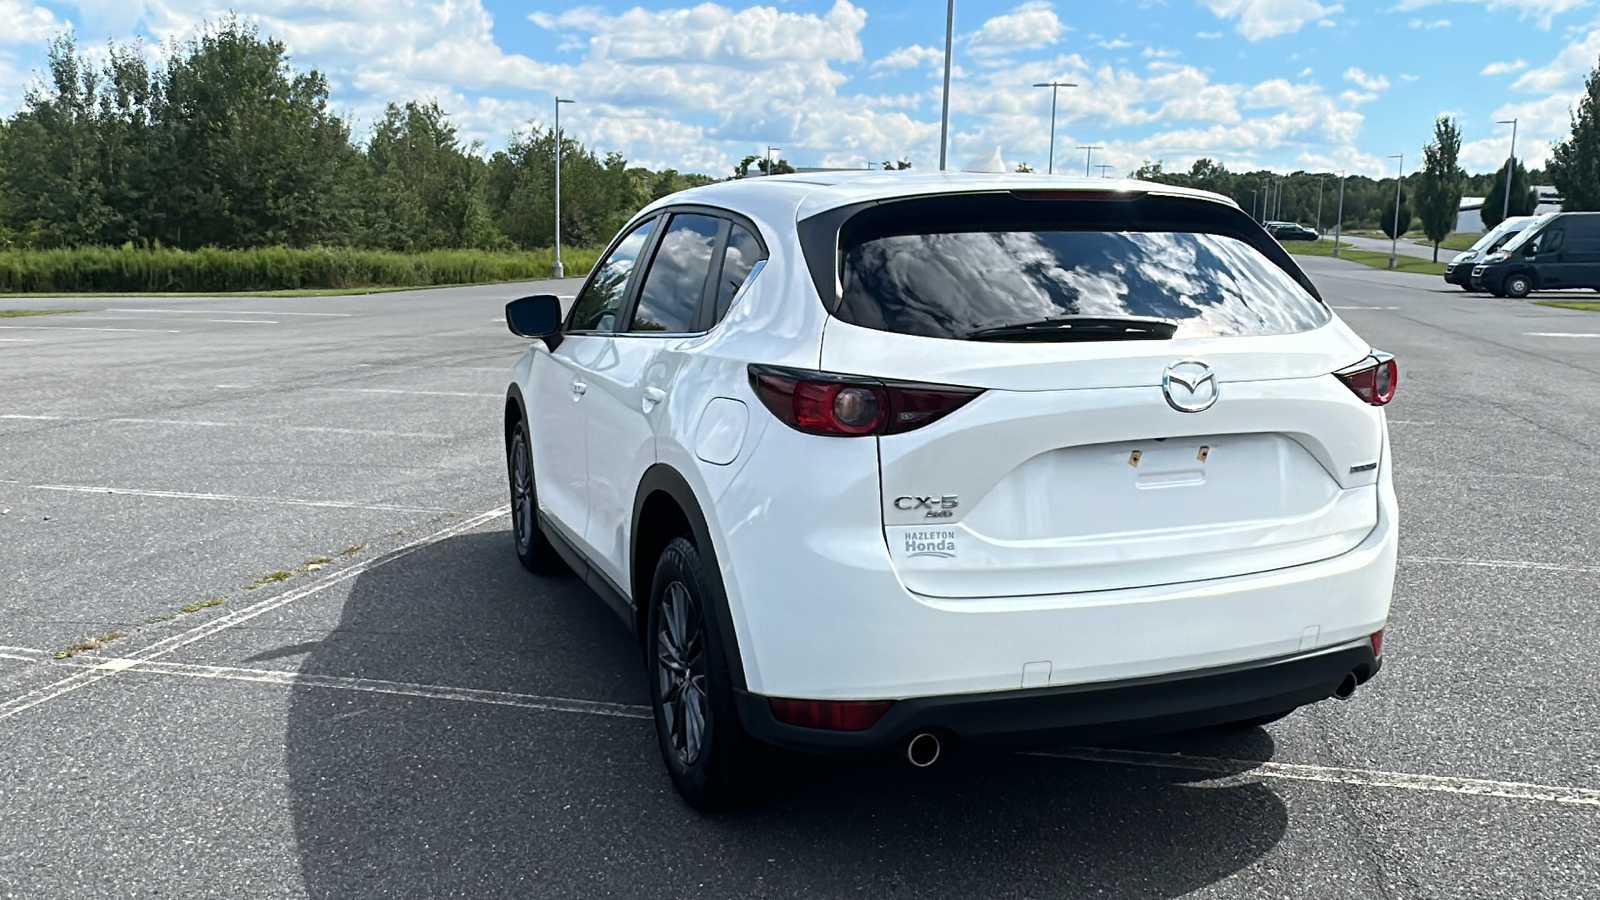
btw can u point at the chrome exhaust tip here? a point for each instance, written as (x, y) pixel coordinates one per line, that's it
(1346, 688)
(923, 750)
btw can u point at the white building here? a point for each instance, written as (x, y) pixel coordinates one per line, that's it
(1470, 216)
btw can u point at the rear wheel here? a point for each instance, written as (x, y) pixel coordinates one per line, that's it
(533, 548)
(713, 763)
(1518, 285)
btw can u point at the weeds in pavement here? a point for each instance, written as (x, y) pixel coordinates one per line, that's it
(94, 643)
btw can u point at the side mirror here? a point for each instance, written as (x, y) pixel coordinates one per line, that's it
(538, 316)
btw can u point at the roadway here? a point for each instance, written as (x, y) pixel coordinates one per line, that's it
(415, 715)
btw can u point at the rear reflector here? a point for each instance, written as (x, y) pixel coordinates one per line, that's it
(1377, 643)
(834, 715)
(1373, 379)
(849, 405)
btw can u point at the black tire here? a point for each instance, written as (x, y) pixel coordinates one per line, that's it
(713, 763)
(1518, 285)
(533, 548)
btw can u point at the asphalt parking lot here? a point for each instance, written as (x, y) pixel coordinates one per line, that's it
(396, 709)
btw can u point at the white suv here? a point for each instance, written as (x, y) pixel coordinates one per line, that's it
(889, 461)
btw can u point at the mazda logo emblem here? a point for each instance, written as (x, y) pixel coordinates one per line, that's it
(1190, 386)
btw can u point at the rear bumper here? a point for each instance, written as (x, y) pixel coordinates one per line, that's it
(1089, 712)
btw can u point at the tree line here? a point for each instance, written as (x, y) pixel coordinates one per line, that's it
(227, 145)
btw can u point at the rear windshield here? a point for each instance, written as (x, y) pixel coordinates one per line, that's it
(951, 283)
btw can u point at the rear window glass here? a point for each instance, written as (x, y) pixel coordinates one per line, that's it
(950, 284)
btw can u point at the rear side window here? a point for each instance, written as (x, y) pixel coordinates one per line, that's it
(951, 283)
(744, 251)
(669, 302)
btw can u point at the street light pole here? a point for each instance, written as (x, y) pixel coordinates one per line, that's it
(1394, 237)
(944, 112)
(1320, 180)
(770, 163)
(1050, 167)
(1511, 158)
(557, 270)
(1103, 167)
(1253, 193)
(1088, 156)
(1338, 224)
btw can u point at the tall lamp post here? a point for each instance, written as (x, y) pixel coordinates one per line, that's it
(1054, 86)
(1253, 193)
(1088, 156)
(1103, 167)
(1320, 180)
(944, 110)
(1505, 210)
(1399, 176)
(770, 164)
(559, 271)
(1338, 224)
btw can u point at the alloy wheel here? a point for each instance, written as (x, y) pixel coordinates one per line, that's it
(522, 502)
(681, 672)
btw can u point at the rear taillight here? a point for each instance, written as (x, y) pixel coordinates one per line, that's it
(834, 715)
(1373, 379)
(849, 405)
(1377, 643)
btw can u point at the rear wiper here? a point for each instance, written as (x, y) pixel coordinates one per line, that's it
(1080, 328)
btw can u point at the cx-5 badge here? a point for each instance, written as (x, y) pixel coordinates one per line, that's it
(1189, 386)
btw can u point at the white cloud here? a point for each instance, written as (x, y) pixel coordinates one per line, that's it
(1504, 68)
(906, 58)
(1566, 70)
(1208, 35)
(1160, 53)
(1429, 26)
(1541, 11)
(24, 23)
(1114, 44)
(1033, 24)
(1367, 82)
(1267, 18)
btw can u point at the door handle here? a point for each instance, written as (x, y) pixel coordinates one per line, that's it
(579, 387)
(652, 396)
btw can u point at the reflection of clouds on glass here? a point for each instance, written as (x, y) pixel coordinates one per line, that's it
(671, 294)
(948, 285)
(595, 308)
(744, 251)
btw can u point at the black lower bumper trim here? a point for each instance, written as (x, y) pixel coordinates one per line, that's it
(1088, 712)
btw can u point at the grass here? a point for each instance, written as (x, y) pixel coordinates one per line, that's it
(1371, 258)
(269, 578)
(16, 313)
(94, 643)
(204, 604)
(1459, 240)
(274, 271)
(1589, 305)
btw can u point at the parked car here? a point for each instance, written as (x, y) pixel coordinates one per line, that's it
(886, 462)
(1558, 253)
(1458, 271)
(1292, 231)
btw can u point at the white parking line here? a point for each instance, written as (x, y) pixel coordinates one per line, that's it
(231, 312)
(19, 340)
(308, 429)
(1500, 564)
(1560, 334)
(1366, 307)
(90, 328)
(154, 319)
(31, 418)
(161, 648)
(1246, 769)
(229, 498)
(419, 393)
(396, 688)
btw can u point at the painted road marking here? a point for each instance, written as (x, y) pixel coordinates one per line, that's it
(420, 393)
(1500, 564)
(90, 328)
(1560, 334)
(1366, 307)
(230, 312)
(161, 648)
(230, 498)
(1246, 769)
(18, 340)
(396, 688)
(311, 429)
(153, 319)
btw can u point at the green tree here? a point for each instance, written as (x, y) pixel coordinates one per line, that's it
(779, 167)
(1439, 195)
(898, 165)
(1387, 217)
(426, 190)
(1524, 199)
(250, 154)
(1575, 161)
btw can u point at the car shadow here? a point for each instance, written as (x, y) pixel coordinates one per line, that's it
(396, 795)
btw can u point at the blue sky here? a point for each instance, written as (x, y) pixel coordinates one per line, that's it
(1285, 84)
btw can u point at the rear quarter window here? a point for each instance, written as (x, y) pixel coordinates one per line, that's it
(945, 269)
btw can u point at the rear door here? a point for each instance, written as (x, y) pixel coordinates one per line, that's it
(1093, 463)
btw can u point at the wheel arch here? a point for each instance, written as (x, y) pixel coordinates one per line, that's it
(665, 507)
(516, 409)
